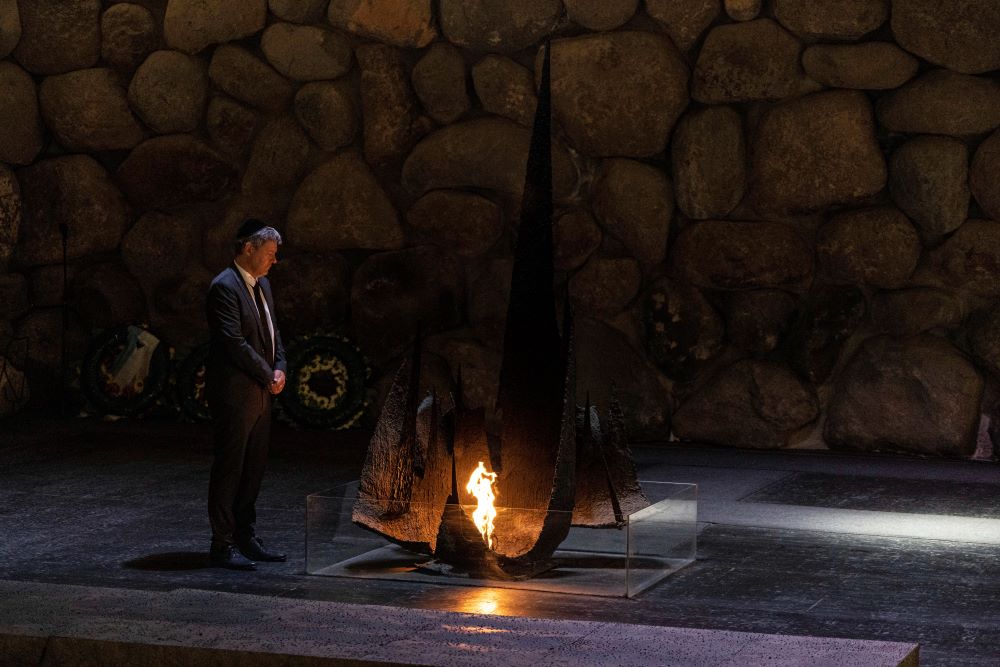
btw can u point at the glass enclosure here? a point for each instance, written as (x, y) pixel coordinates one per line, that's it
(655, 542)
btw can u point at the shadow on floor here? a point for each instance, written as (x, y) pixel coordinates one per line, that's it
(170, 562)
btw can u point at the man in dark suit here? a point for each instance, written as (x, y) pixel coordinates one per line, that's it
(245, 370)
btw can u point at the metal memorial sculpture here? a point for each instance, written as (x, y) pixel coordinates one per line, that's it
(553, 465)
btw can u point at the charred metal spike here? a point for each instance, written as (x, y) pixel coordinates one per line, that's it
(459, 396)
(409, 435)
(537, 454)
(531, 336)
(621, 466)
(453, 496)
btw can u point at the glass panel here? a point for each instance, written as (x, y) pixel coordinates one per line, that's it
(663, 537)
(655, 542)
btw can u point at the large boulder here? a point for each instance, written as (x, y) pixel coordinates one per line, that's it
(439, 81)
(597, 80)
(487, 296)
(341, 205)
(306, 53)
(708, 155)
(682, 332)
(916, 395)
(970, 257)
(503, 27)
(725, 254)
(505, 88)
(299, 11)
(928, 179)
(830, 315)
(867, 66)
(606, 362)
(277, 158)
(847, 19)
(168, 91)
(10, 215)
(984, 175)
(174, 170)
(743, 10)
(44, 328)
(605, 286)
(752, 404)
(600, 15)
(743, 62)
(959, 35)
(314, 292)
(72, 191)
(10, 27)
(129, 33)
(13, 296)
(943, 102)
(59, 35)
(465, 223)
(242, 75)
(21, 130)
(575, 236)
(328, 113)
(757, 320)
(877, 247)
(683, 21)
(191, 25)
(634, 203)
(814, 151)
(911, 311)
(87, 110)
(981, 336)
(394, 293)
(392, 124)
(403, 23)
(158, 248)
(107, 295)
(487, 153)
(45, 284)
(178, 308)
(230, 126)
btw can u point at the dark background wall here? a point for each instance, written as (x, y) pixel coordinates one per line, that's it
(778, 223)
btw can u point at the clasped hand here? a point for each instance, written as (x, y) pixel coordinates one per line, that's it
(278, 383)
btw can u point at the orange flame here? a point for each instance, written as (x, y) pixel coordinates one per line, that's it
(481, 486)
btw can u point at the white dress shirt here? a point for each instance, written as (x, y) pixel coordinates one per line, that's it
(251, 282)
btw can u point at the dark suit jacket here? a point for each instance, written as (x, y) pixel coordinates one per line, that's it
(237, 371)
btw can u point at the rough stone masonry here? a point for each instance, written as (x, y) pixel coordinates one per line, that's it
(779, 222)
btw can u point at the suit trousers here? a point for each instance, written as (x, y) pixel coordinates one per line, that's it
(241, 433)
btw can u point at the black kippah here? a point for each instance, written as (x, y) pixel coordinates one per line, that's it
(250, 227)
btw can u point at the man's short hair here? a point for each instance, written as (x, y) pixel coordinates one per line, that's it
(256, 233)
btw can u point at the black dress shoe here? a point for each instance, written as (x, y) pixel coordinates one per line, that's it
(228, 557)
(253, 548)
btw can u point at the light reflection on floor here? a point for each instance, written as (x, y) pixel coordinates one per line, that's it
(488, 601)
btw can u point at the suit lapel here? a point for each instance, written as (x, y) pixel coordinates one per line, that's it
(248, 301)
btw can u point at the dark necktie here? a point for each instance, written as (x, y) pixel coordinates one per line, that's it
(258, 295)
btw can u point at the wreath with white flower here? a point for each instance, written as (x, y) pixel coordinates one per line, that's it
(125, 370)
(326, 384)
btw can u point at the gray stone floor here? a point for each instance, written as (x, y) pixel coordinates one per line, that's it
(122, 506)
(87, 625)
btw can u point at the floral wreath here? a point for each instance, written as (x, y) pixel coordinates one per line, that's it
(125, 370)
(326, 384)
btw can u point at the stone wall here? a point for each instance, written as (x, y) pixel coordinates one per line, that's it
(780, 224)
